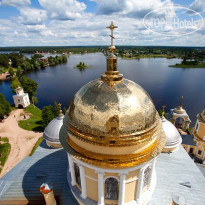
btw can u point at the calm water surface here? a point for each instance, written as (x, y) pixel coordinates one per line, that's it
(164, 84)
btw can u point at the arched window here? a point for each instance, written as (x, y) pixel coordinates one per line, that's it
(111, 189)
(197, 126)
(77, 174)
(146, 178)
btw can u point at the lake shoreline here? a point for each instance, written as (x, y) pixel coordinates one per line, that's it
(164, 85)
(200, 65)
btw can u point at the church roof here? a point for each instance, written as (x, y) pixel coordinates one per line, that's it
(176, 172)
(188, 140)
(23, 182)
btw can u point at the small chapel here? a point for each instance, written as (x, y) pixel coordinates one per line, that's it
(21, 99)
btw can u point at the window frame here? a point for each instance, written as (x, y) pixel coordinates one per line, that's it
(115, 196)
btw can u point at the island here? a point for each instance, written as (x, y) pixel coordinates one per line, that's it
(189, 63)
(81, 66)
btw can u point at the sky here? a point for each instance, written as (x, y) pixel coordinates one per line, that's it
(83, 22)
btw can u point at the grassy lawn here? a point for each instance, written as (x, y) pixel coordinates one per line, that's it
(33, 110)
(5, 148)
(200, 65)
(34, 123)
(36, 145)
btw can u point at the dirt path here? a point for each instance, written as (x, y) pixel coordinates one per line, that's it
(22, 141)
(3, 76)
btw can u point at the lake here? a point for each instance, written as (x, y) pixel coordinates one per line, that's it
(164, 84)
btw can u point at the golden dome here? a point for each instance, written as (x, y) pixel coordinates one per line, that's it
(97, 106)
(112, 122)
(112, 125)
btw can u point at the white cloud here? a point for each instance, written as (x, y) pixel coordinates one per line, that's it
(30, 16)
(15, 3)
(198, 5)
(63, 9)
(35, 28)
(39, 30)
(50, 25)
(131, 8)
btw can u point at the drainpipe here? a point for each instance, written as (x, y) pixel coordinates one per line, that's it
(47, 190)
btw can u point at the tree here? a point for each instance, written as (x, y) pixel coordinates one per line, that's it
(26, 66)
(4, 60)
(29, 86)
(64, 58)
(1, 70)
(56, 109)
(16, 59)
(64, 110)
(5, 107)
(15, 83)
(19, 71)
(47, 114)
(42, 64)
(160, 113)
(11, 71)
(34, 100)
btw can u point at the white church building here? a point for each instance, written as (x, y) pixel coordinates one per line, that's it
(21, 99)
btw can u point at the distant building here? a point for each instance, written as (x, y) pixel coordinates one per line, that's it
(10, 62)
(194, 143)
(199, 136)
(179, 117)
(197, 148)
(21, 99)
(188, 143)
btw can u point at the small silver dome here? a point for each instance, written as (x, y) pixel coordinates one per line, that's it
(173, 138)
(51, 132)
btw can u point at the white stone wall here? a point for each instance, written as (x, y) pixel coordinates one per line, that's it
(21, 100)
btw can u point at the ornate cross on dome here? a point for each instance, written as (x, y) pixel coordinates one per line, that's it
(112, 27)
(163, 112)
(112, 76)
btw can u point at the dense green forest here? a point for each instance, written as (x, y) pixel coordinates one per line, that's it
(5, 108)
(17, 63)
(128, 51)
(55, 49)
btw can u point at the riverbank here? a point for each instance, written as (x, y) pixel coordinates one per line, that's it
(21, 141)
(148, 56)
(3, 76)
(199, 65)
